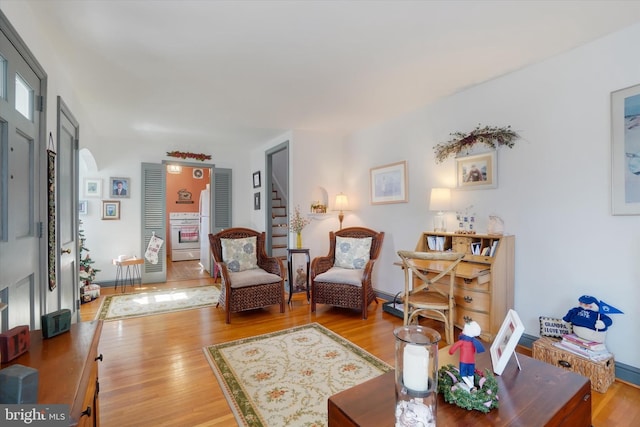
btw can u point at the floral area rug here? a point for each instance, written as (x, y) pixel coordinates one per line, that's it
(125, 306)
(285, 378)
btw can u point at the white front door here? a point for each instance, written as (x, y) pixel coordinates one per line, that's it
(67, 219)
(23, 228)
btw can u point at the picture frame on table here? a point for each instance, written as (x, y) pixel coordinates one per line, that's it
(388, 184)
(625, 151)
(93, 187)
(83, 207)
(110, 209)
(119, 187)
(477, 172)
(257, 183)
(504, 345)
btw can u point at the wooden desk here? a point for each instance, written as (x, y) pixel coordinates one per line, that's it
(539, 395)
(67, 367)
(484, 287)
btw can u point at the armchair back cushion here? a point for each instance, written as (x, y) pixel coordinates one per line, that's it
(351, 252)
(240, 254)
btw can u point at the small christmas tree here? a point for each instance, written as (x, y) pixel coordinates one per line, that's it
(87, 272)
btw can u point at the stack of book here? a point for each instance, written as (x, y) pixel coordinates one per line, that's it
(592, 350)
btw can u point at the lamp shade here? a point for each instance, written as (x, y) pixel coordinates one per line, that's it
(342, 202)
(440, 199)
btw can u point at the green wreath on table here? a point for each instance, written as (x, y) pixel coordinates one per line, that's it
(483, 397)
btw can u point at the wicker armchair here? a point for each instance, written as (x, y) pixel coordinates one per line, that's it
(250, 278)
(349, 287)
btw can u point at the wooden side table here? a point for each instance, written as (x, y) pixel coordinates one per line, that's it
(290, 253)
(131, 274)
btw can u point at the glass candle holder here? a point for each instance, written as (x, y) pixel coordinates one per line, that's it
(416, 376)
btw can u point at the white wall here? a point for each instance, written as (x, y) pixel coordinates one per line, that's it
(553, 186)
(315, 162)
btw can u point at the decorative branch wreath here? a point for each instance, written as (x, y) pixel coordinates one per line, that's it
(186, 155)
(490, 136)
(483, 397)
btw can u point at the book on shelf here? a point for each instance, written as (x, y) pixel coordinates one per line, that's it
(494, 246)
(591, 345)
(596, 356)
(435, 243)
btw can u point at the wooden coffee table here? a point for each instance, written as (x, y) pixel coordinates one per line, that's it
(539, 395)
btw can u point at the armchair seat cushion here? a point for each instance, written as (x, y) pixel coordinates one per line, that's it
(344, 276)
(256, 276)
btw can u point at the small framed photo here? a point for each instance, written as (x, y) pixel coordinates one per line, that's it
(93, 187)
(119, 187)
(388, 184)
(256, 180)
(625, 151)
(476, 172)
(110, 209)
(506, 341)
(83, 207)
(256, 201)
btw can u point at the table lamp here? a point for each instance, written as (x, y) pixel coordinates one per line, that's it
(440, 201)
(342, 204)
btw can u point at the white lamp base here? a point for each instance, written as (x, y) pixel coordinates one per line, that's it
(439, 223)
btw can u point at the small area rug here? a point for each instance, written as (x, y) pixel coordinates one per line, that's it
(125, 306)
(285, 378)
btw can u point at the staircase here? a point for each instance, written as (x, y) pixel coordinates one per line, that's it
(280, 228)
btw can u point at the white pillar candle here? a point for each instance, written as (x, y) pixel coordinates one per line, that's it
(415, 363)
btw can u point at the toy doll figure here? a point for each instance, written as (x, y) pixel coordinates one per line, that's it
(589, 319)
(468, 345)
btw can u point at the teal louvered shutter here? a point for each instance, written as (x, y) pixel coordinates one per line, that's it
(221, 199)
(154, 220)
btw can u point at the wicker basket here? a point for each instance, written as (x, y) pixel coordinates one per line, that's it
(601, 373)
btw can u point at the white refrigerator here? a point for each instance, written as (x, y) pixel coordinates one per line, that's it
(205, 251)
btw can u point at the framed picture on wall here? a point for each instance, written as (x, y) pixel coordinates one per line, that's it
(93, 187)
(83, 207)
(110, 209)
(476, 172)
(625, 151)
(256, 201)
(388, 184)
(119, 187)
(256, 180)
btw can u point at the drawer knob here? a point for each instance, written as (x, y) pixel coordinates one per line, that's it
(467, 319)
(468, 299)
(467, 281)
(564, 363)
(99, 357)
(86, 412)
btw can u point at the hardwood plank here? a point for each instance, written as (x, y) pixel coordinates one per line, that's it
(154, 372)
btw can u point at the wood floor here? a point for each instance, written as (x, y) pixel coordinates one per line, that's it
(154, 371)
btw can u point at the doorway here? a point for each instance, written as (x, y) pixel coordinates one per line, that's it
(277, 200)
(188, 206)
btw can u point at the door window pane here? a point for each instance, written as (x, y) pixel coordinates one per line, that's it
(24, 98)
(3, 77)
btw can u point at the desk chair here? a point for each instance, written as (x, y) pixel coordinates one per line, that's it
(428, 298)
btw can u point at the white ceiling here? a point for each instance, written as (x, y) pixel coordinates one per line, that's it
(241, 72)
